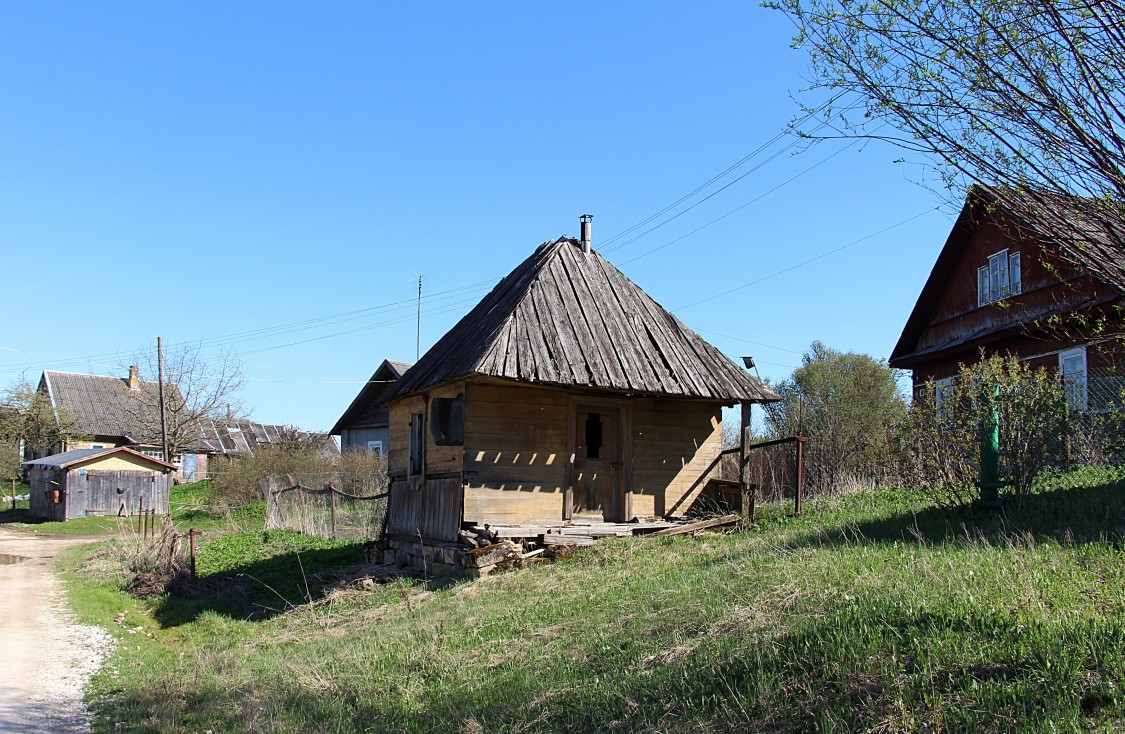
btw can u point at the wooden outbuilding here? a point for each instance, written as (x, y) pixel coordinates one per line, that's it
(566, 395)
(106, 481)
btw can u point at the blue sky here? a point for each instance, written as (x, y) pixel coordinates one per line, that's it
(273, 177)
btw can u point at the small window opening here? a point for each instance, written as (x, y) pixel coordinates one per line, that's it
(447, 421)
(593, 435)
(417, 445)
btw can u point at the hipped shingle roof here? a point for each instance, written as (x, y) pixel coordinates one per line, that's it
(569, 318)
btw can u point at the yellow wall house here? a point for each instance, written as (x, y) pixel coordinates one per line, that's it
(566, 395)
(106, 481)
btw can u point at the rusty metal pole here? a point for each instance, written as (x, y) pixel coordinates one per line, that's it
(332, 496)
(801, 440)
(140, 512)
(13, 494)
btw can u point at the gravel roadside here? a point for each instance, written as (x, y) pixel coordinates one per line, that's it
(47, 657)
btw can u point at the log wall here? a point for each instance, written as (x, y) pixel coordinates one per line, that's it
(676, 445)
(439, 459)
(516, 440)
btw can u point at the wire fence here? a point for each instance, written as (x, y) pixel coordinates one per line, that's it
(329, 505)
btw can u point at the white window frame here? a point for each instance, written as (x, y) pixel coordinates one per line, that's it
(1075, 381)
(1000, 278)
(375, 447)
(943, 398)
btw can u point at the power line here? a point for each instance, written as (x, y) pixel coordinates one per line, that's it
(821, 256)
(761, 148)
(281, 329)
(756, 199)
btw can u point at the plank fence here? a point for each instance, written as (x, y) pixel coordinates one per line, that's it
(329, 505)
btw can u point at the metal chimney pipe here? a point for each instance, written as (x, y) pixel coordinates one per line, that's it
(586, 225)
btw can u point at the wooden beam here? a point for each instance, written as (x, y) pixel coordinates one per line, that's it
(692, 527)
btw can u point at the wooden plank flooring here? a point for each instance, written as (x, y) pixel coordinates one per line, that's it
(581, 532)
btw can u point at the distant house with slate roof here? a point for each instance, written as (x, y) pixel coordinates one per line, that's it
(365, 425)
(123, 411)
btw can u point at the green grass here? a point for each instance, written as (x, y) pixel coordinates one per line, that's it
(192, 506)
(874, 612)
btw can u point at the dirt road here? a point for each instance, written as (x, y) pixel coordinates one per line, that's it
(46, 658)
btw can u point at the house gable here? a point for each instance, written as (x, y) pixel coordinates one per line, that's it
(366, 410)
(952, 321)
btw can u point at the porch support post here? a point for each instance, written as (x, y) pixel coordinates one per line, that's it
(748, 489)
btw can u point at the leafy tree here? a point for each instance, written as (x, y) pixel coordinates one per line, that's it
(846, 403)
(940, 439)
(1025, 95)
(27, 417)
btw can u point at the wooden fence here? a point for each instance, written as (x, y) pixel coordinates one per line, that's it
(315, 504)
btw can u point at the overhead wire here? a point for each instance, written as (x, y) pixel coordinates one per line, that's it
(811, 260)
(332, 319)
(734, 166)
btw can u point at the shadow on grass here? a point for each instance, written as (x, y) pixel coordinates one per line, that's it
(257, 589)
(20, 515)
(846, 670)
(1081, 514)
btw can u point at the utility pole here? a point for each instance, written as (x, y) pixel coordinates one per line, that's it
(160, 390)
(418, 347)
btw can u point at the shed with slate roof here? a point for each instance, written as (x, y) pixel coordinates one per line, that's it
(105, 481)
(365, 425)
(566, 394)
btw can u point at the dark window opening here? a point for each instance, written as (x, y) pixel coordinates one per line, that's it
(447, 421)
(417, 446)
(593, 435)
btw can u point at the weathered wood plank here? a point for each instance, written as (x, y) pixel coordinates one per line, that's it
(579, 342)
(693, 527)
(599, 331)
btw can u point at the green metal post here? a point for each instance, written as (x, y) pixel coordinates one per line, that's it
(990, 453)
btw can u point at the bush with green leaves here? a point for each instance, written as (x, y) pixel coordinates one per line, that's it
(846, 404)
(940, 438)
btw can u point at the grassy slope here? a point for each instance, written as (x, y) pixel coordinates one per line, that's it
(872, 613)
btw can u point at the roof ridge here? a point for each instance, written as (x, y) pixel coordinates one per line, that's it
(570, 318)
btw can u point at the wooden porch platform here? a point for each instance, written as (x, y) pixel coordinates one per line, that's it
(581, 532)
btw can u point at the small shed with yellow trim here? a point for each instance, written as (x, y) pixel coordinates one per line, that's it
(106, 481)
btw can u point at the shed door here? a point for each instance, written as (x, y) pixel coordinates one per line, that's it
(598, 489)
(76, 494)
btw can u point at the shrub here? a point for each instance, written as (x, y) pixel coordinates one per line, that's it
(236, 480)
(939, 440)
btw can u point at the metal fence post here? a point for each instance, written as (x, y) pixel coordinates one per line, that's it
(797, 501)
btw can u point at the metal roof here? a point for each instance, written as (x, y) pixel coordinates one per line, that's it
(78, 456)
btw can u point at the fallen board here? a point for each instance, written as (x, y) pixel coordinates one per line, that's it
(692, 527)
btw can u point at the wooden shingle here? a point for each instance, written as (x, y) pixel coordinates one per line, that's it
(569, 318)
